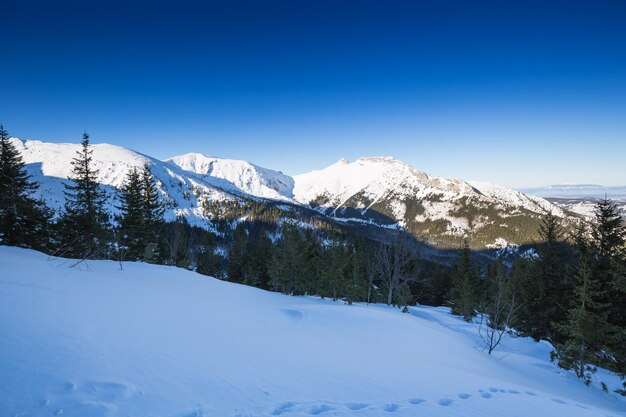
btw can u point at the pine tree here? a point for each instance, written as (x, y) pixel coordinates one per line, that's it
(238, 258)
(464, 295)
(132, 221)
(608, 243)
(586, 329)
(85, 221)
(286, 264)
(23, 219)
(550, 287)
(153, 215)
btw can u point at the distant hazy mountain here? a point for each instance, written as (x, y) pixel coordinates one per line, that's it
(577, 191)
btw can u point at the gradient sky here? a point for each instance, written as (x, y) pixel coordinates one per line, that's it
(518, 93)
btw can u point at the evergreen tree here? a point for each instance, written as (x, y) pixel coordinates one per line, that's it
(550, 287)
(465, 292)
(586, 328)
(286, 264)
(23, 219)
(85, 221)
(238, 256)
(153, 216)
(132, 221)
(608, 243)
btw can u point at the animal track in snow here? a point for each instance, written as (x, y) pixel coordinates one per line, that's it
(416, 401)
(356, 406)
(463, 395)
(391, 407)
(282, 408)
(445, 402)
(319, 409)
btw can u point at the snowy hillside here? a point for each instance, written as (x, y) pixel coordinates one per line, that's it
(387, 191)
(371, 192)
(94, 340)
(50, 165)
(247, 177)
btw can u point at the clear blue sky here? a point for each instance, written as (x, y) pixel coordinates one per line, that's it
(519, 93)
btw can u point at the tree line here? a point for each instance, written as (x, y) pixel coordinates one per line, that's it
(571, 290)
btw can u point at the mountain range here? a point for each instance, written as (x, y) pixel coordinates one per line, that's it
(372, 194)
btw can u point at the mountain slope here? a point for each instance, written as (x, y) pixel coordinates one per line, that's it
(367, 195)
(386, 191)
(247, 177)
(183, 192)
(147, 340)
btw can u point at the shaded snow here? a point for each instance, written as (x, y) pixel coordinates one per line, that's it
(150, 340)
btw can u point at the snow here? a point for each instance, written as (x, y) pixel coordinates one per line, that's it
(50, 165)
(148, 340)
(186, 181)
(516, 198)
(247, 177)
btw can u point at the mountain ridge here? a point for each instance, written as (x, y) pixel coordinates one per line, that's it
(370, 191)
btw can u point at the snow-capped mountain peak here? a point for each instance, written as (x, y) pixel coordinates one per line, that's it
(245, 176)
(371, 191)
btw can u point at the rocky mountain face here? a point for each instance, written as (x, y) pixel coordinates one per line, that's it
(378, 194)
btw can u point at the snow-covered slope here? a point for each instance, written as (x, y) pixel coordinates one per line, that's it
(94, 340)
(385, 190)
(378, 191)
(247, 177)
(50, 165)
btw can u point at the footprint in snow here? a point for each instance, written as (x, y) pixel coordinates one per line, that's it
(282, 408)
(356, 406)
(445, 402)
(512, 391)
(416, 401)
(556, 400)
(319, 409)
(390, 408)
(464, 396)
(530, 393)
(493, 389)
(485, 395)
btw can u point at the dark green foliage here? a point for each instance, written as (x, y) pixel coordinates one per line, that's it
(551, 287)
(153, 209)
(23, 220)
(132, 222)
(141, 217)
(466, 285)
(586, 328)
(286, 265)
(85, 223)
(608, 245)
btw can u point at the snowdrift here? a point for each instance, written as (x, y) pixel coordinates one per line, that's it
(94, 340)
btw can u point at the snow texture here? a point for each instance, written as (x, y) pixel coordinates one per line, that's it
(148, 340)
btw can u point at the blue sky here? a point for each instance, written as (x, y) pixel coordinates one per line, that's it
(518, 93)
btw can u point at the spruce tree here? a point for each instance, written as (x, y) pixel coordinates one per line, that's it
(23, 219)
(85, 220)
(465, 292)
(586, 329)
(286, 265)
(238, 258)
(608, 243)
(132, 221)
(550, 286)
(153, 215)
